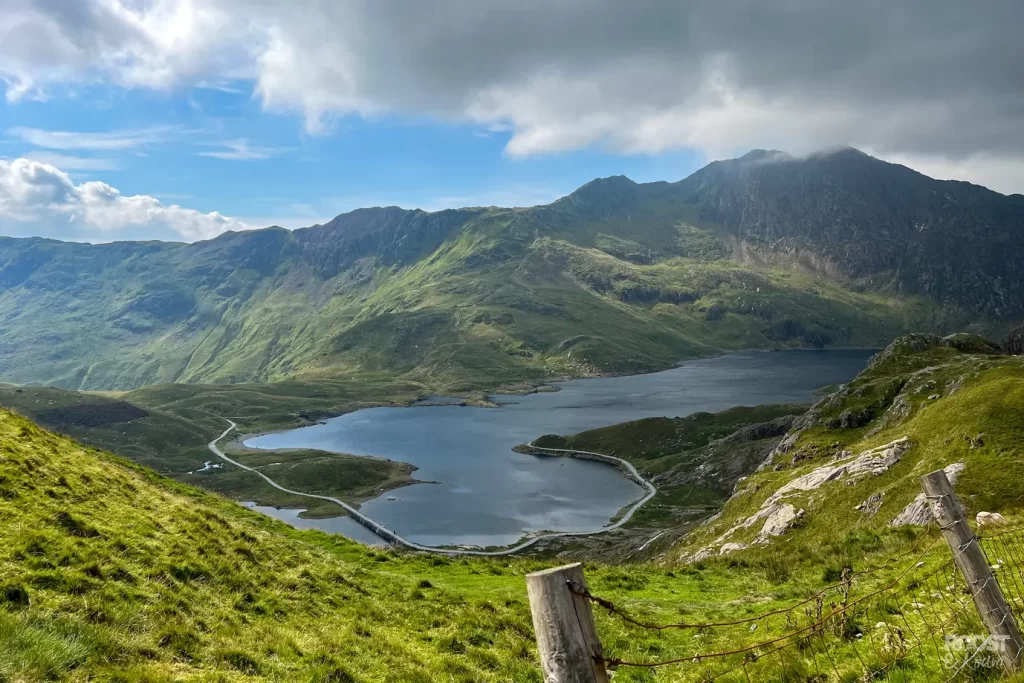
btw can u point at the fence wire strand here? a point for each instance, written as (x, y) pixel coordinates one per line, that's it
(920, 607)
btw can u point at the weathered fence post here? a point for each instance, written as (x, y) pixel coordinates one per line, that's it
(570, 651)
(971, 561)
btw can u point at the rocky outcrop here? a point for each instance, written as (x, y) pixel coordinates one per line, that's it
(1015, 341)
(989, 519)
(776, 515)
(917, 513)
(872, 505)
(875, 461)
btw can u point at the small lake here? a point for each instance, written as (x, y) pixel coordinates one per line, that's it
(489, 495)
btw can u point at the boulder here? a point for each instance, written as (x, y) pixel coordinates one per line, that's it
(872, 505)
(1015, 341)
(989, 519)
(778, 520)
(917, 513)
(731, 548)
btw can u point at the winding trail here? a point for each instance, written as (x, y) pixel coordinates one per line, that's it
(392, 537)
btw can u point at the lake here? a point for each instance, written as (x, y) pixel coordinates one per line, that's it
(486, 494)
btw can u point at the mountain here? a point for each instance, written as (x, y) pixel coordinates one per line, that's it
(764, 251)
(884, 227)
(850, 465)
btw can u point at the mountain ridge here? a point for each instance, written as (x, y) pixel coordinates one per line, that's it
(764, 252)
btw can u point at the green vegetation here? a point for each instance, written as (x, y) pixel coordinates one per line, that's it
(956, 400)
(693, 461)
(616, 277)
(656, 444)
(168, 427)
(113, 573)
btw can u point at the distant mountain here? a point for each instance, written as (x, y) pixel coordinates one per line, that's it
(765, 251)
(884, 226)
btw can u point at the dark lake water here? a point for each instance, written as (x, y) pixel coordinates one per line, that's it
(490, 495)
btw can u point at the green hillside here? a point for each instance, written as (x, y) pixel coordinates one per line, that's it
(955, 402)
(833, 250)
(113, 573)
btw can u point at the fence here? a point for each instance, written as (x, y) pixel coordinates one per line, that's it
(927, 614)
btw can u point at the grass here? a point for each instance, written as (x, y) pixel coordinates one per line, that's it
(167, 428)
(469, 300)
(953, 405)
(114, 573)
(656, 444)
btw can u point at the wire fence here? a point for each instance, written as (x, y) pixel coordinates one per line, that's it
(909, 628)
(912, 618)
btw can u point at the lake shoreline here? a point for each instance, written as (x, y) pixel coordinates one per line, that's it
(695, 385)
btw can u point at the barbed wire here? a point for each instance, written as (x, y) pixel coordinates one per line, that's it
(917, 624)
(848, 578)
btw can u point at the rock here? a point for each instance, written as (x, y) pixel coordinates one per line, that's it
(872, 505)
(874, 461)
(778, 521)
(1015, 341)
(989, 519)
(972, 343)
(917, 513)
(777, 516)
(851, 420)
(731, 548)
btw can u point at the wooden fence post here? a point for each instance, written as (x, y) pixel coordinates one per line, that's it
(971, 561)
(570, 651)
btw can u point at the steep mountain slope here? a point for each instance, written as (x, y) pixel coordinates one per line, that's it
(883, 226)
(837, 249)
(850, 465)
(109, 572)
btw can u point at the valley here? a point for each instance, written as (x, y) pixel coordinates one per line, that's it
(450, 375)
(228, 592)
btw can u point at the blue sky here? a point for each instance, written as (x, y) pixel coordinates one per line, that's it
(288, 175)
(216, 149)
(179, 119)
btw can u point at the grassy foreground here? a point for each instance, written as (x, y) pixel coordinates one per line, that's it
(111, 572)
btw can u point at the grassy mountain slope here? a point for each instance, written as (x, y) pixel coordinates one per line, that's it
(954, 400)
(113, 573)
(837, 250)
(167, 428)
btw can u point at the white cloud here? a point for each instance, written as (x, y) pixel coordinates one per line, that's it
(918, 79)
(1000, 173)
(114, 140)
(68, 162)
(37, 194)
(239, 150)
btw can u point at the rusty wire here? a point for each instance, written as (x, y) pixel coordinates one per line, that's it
(926, 631)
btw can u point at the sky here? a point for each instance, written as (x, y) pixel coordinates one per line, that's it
(180, 119)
